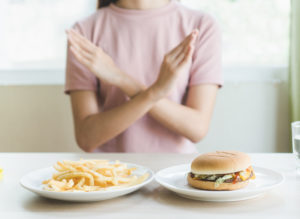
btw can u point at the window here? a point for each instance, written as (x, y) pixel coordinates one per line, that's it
(34, 31)
(255, 34)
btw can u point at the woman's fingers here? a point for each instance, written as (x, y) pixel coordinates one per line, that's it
(81, 41)
(189, 47)
(193, 39)
(79, 57)
(81, 38)
(184, 50)
(183, 45)
(187, 56)
(179, 58)
(75, 41)
(178, 49)
(79, 49)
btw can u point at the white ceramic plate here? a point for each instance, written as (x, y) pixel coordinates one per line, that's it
(175, 179)
(33, 182)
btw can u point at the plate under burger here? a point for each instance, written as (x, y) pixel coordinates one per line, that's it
(175, 179)
(33, 182)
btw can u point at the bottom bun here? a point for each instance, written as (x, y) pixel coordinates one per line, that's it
(207, 185)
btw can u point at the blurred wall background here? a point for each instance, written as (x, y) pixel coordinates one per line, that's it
(252, 117)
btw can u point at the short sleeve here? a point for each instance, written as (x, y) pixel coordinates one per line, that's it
(78, 77)
(207, 60)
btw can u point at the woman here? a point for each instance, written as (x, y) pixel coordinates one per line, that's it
(143, 76)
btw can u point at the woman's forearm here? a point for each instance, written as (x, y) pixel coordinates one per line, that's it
(99, 128)
(181, 119)
(178, 118)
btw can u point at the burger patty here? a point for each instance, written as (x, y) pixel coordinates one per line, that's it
(206, 177)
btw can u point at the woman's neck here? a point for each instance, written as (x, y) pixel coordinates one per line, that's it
(141, 4)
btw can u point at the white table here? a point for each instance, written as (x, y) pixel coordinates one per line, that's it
(151, 201)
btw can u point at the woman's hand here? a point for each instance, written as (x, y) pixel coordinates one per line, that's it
(95, 59)
(173, 64)
(102, 65)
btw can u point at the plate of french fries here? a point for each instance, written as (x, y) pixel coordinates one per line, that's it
(87, 180)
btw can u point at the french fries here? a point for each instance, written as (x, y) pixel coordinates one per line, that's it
(91, 175)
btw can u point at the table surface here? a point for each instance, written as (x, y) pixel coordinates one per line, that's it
(150, 201)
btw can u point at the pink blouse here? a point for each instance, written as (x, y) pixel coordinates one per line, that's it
(137, 40)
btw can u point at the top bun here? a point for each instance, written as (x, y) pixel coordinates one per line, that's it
(220, 162)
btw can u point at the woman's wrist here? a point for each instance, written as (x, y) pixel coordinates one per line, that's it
(132, 88)
(151, 95)
(129, 86)
(155, 93)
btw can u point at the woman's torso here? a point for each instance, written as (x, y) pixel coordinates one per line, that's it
(137, 41)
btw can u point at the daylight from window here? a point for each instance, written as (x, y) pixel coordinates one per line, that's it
(35, 31)
(255, 32)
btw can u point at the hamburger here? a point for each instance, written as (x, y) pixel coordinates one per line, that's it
(221, 170)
